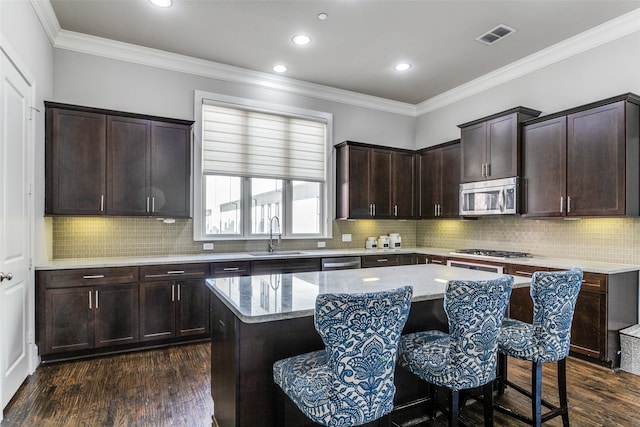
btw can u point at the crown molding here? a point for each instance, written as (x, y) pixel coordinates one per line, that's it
(611, 30)
(83, 43)
(92, 45)
(47, 18)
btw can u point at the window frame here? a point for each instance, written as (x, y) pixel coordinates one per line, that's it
(326, 187)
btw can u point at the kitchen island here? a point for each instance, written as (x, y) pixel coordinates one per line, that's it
(259, 319)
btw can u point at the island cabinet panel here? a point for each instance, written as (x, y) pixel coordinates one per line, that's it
(583, 162)
(374, 182)
(174, 301)
(75, 151)
(439, 181)
(104, 162)
(491, 146)
(86, 309)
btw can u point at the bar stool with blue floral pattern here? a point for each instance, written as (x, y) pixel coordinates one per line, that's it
(465, 358)
(547, 339)
(351, 381)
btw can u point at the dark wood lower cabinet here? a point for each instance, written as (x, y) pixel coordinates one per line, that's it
(81, 312)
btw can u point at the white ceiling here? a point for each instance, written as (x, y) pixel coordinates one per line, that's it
(356, 47)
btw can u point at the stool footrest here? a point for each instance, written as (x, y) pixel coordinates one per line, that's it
(554, 410)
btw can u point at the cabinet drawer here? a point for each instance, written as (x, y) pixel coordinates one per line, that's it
(289, 265)
(173, 272)
(90, 277)
(382, 260)
(233, 268)
(524, 270)
(594, 282)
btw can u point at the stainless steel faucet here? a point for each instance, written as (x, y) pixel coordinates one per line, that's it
(272, 247)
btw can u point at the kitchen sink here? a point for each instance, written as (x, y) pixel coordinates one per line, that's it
(276, 253)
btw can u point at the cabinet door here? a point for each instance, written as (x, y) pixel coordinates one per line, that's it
(128, 163)
(170, 169)
(502, 147)
(356, 181)
(192, 315)
(69, 320)
(116, 315)
(157, 310)
(402, 179)
(429, 182)
(450, 190)
(75, 162)
(474, 147)
(596, 161)
(589, 326)
(380, 183)
(544, 168)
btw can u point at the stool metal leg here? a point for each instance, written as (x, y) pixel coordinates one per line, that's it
(454, 408)
(536, 393)
(487, 399)
(562, 391)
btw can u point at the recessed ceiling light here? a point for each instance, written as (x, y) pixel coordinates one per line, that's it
(322, 16)
(301, 39)
(280, 68)
(404, 66)
(161, 3)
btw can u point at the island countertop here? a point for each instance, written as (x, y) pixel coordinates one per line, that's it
(270, 297)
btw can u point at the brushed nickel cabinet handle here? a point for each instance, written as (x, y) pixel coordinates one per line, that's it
(97, 303)
(93, 276)
(90, 305)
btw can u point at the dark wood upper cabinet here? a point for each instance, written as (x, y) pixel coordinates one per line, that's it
(128, 164)
(439, 181)
(491, 145)
(584, 162)
(109, 162)
(170, 169)
(75, 152)
(374, 182)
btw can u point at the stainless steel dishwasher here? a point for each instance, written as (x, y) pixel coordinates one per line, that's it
(341, 263)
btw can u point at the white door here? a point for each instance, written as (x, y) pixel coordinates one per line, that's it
(15, 217)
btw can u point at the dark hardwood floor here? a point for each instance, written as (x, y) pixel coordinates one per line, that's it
(170, 387)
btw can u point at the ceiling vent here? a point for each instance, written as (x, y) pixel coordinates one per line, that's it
(492, 36)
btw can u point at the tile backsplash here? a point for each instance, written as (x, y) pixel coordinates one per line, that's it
(94, 237)
(607, 239)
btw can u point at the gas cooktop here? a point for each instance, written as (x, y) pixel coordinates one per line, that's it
(490, 253)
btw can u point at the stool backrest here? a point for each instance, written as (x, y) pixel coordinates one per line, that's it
(361, 334)
(554, 296)
(475, 310)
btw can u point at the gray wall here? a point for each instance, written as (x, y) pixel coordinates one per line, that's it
(608, 70)
(101, 82)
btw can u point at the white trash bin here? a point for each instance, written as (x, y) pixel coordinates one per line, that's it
(630, 346)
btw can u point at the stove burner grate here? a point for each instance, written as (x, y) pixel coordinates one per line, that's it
(492, 253)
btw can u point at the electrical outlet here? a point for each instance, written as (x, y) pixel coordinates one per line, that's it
(322, 244)
(207, 246)
(346, 237)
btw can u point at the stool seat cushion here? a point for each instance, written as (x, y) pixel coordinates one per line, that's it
(309, 374)
(517, 340)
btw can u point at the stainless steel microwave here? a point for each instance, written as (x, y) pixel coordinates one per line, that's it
(495, 197)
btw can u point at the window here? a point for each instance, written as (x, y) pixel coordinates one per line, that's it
(254, 161)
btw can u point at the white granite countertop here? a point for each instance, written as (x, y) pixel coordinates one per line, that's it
(586, 265)
(265, 298)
